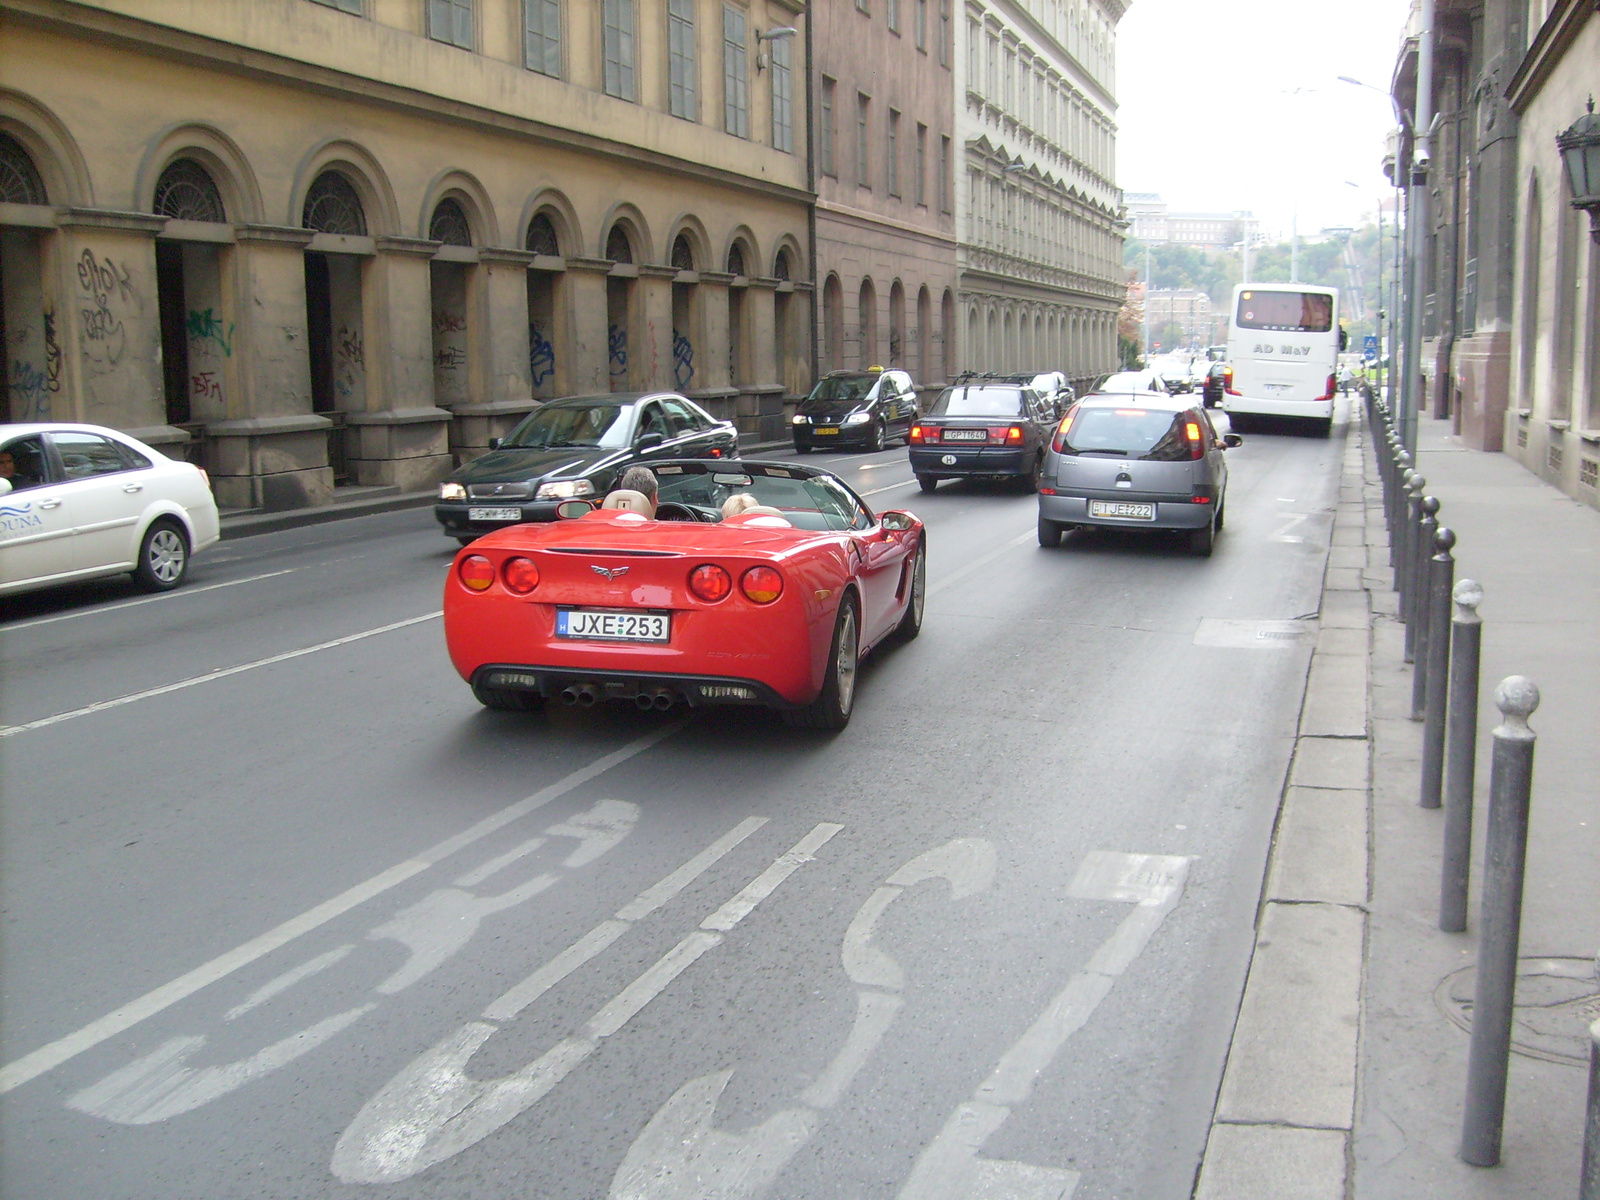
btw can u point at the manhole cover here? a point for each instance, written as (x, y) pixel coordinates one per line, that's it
(1251, 635)
(1556, 1001)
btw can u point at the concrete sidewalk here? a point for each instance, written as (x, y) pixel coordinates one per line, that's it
(1348, 1063)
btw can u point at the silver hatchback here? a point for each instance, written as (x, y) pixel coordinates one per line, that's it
(1139, 461)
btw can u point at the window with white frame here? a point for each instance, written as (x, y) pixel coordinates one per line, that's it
(891, 13)
(617, 48)
(541, 36)
(681, 74)
(863, 111)
(946, 34)
(921, 19)
(919, 189)
(975, 57)
(782, 95)
(944, 173)
(451, 21)
(735, 73)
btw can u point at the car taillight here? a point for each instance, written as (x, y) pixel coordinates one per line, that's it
(520, 575)
(710, 582)
(1227, 382)
(762, 584)
(924, 433)
(475, 572)
(1332, 388)
(1197, 444)
(1059, 442)
(716, 452)
(1014, 436)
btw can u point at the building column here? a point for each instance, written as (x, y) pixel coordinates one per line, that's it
(500, 388)
(586, 323)
(761, 401)
(110, 323)
(713, 384)
(269, 450)
(651, 367)
(398, 437)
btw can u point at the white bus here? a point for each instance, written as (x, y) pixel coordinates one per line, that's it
(1283, 345)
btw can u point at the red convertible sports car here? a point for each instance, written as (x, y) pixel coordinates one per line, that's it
(773, 606)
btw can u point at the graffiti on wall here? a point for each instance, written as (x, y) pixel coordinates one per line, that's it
(30, 391)
(205, 385)
(448, 322)
(617, 347)
(52, 352)
(682, 360)
(541, 355)
(448, 358)
(350, 350)
(206, 327)
(107, 296)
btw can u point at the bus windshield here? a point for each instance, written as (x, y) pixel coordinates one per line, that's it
(1286, 312)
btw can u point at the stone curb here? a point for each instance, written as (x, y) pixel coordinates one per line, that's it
(1286, 1108)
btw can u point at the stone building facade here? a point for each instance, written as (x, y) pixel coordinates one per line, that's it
(885, 223)
(1038, 215)
(1511, 302)
(315, 242)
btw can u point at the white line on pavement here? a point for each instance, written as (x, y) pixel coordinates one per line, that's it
(177, 595)
(209, 676)
(50, 1056)
(891, 487)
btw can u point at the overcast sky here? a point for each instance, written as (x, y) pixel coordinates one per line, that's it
(1208, 117)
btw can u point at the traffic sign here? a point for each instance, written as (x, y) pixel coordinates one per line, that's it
(1369, 347)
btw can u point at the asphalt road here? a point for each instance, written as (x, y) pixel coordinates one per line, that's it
(288, 915)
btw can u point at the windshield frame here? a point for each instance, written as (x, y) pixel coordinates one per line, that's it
(941, 405)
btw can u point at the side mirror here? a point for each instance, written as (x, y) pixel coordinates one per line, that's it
(896, 521)
(494, 443)
(1232, 440)
(649, 441)
(571, 510)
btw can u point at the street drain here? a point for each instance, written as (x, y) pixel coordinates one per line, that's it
(1251, 635)
(1556, 1001)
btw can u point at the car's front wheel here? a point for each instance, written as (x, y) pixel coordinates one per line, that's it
(833, 705)
(163, 556)
(877, 437)
(799, 449)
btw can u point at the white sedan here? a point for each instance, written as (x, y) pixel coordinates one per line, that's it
(81, 501)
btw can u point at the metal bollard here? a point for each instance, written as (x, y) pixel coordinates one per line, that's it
(1400, 539)
(1589, 1179)
(1410, 530)
(1435, 667)
(1421, 604)
(1505, 855)
(1461, 742)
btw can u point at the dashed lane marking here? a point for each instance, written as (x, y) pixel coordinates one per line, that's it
(180, 594)
(211, 676)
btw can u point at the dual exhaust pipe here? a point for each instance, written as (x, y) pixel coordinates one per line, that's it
(586, 695)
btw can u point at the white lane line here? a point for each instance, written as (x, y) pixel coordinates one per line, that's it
(177, 595)
(476, 876)
(433, 1110)
(892, 487)
(48, 1057)
(211, 676)
(950, 1167)
(978, 564)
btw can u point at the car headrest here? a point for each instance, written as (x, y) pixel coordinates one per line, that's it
(629, 501)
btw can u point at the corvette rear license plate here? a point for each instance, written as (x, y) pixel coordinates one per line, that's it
(965, 435)
(596, 625)
(494, 514)
(825, 430)
(1123, 509)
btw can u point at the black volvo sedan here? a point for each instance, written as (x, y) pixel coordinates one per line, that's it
(575, 447)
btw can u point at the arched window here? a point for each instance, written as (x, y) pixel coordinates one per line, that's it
(781, 268)
(682, 253)
(19, 178)
(449, 224)
(332, 206)
(186, 192)
(618, 248)
(736, 259)
(542, 237)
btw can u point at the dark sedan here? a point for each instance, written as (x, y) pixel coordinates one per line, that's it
(858, 409)
(572, 448)
(983, 429)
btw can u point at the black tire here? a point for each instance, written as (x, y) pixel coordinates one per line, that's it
(799, 449)
(163, 559)
(1049, 534)
(878, 439)
(506, 700)
(1201, 540)
(1029, 484)
(1322, 427)
(466, 541)
(911, 623)
(1222, 509)
(833, 705)
(927, 482)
